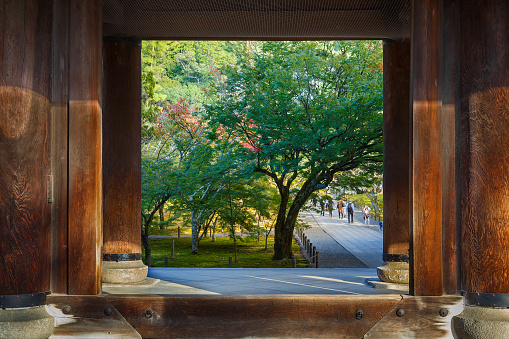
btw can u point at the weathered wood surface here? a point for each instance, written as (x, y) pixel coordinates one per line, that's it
(85, 195)
(484, 140)
(58, 149)
(418, 317)
(121, 146)
(426, 236)
(295, 316)
(396, 119)
(25, 106)
(87, 317)
(451, 102)
(253, 316)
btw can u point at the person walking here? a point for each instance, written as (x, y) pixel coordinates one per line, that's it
(350, 210)
(330, 208)
(366, 210)
(322, 207)
(341, 211)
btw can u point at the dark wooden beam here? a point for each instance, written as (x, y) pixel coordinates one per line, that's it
(299, 316)
(264, 20)
(85, 131)
(25, 108)
(254, 316)
(426, 236)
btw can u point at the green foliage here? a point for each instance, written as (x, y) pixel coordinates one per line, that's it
(217, 113)
(303, 111)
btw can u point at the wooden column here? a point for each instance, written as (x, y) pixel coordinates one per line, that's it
(58, 146)
(25, 172)
(25, 107)
(426, 232)
(484, 169)
(484, 140)
(396, 151)
(85, 130)
(122, 151)
(451, 101)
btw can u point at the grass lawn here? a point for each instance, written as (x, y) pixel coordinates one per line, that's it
(250, 254)
(169, 230)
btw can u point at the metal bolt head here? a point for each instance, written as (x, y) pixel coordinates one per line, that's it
(108, 310)
(66, 309)
(443, 312)
(359, 314)
(400, 312)
(148, 313)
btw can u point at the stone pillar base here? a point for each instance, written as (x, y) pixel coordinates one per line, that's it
(123, 272)
(482, 323)
(394, 272)
(26, 322)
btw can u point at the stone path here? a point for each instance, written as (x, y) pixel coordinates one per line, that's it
(365, 244)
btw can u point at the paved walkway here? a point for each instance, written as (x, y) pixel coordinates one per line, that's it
(363, 243)
(252, 281)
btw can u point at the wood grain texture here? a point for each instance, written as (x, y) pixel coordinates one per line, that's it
(253, 316)
(451, 103)
(87, 318)
(426, 236)
(85, 135)
(25, 105)
(58, 149)
(396, 232)
(484, 140)
(420, 319)
(121, 146)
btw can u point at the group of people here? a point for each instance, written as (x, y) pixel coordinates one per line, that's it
(341, 206)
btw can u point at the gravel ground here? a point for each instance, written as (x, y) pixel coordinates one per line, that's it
(332, 254)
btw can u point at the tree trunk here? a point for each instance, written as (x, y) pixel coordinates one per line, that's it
(234, 242)
(195, 233)
(161, 218)
(374, 203)
(285, 223)
(280, 246)
(146, 244)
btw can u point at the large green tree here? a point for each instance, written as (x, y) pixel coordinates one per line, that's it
(304, 111)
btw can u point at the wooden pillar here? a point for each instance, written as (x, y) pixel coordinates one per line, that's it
(451, 101)
(122, 161)
(485, 136)
(484, 169)
(396, 117)
(85, 131)
(426, 201)
(25, 108)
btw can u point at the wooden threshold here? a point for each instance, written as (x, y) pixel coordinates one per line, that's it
(309, 316)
